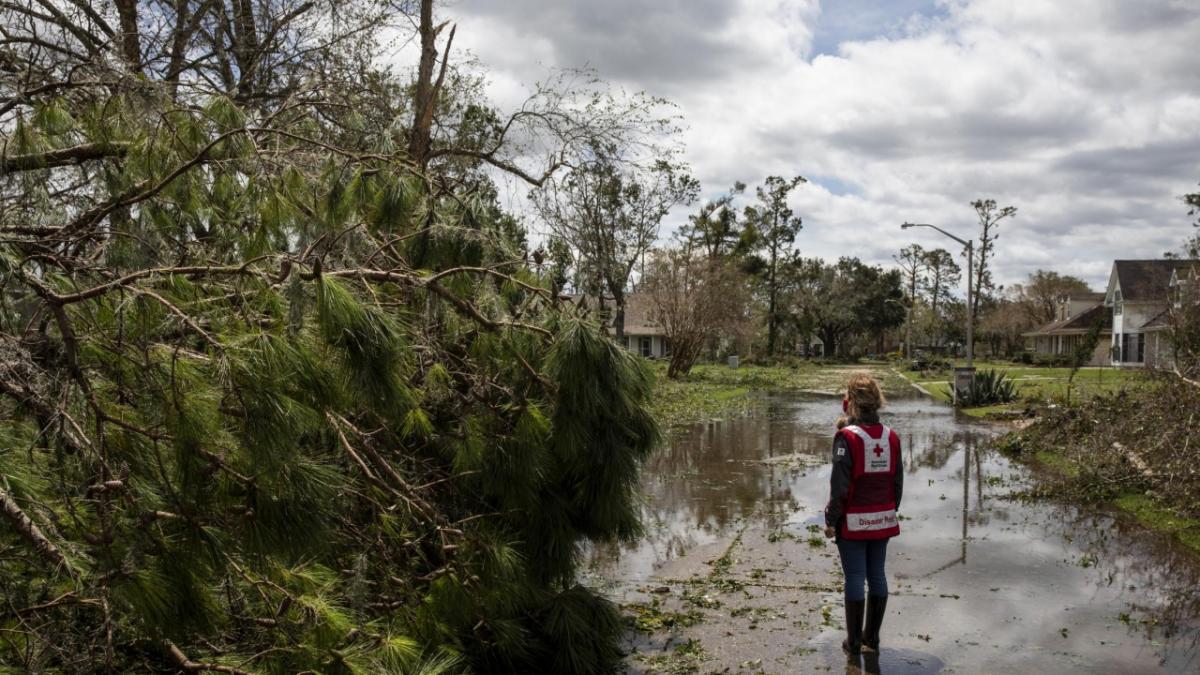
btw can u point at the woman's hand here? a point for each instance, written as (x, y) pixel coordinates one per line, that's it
(829, 532)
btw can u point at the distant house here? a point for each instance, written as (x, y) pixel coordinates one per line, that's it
(643, 333)
(1075, 315)
(813, 347)
(1140, 295)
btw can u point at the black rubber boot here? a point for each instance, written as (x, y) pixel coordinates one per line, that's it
(854, 626)
(876, 605)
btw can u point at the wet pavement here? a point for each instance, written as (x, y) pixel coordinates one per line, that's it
(734, 576)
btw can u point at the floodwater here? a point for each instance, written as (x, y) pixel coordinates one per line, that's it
(980, 581)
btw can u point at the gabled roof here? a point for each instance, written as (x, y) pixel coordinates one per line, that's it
(640, 315)
(639, 312)
(1143, 280)
(1160, 320)
(1078, 324)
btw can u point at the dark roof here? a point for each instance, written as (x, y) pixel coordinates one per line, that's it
(1160, 320)
(1080, 323)
(1086, 297)
(1146, 280)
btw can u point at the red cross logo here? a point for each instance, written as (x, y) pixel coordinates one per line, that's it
(879, 451)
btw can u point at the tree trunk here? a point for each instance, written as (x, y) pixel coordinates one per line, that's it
(425, 97)
(829, 337)
(771, 308)
(131, 48)
(246, 50)
(619, 317)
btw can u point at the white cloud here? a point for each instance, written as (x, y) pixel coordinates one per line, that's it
(1082, 114)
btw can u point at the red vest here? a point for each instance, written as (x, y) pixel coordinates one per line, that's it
(871, 502)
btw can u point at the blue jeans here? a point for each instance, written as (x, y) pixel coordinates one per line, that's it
(863, 561)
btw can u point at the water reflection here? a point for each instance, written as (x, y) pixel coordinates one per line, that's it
(1017, 587)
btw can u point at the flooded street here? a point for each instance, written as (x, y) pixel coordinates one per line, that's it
(733, 574)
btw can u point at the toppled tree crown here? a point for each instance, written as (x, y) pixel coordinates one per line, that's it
(274, 397)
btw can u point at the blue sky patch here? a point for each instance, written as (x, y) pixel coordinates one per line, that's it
(857, 20)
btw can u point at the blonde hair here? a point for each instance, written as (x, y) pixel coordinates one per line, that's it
(864, 396)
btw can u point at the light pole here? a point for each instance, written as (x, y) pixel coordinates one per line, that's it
(970, 307)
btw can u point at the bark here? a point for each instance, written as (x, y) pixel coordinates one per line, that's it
(829, 337)
(130, 41)
(619, 317)
(187, 24)
(773, 296)
(31, 533)
(61, 157)
(425, 96)
(246, 49)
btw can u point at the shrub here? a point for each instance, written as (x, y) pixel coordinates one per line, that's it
(988, 388)
(1024, 358)
(1052, 360)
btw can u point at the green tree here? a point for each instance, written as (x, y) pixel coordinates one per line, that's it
(944, 276)
(715, 229)
(849, 298)
(913, 267)
(775, 227)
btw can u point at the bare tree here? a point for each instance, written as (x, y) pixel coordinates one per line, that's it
(989, 215)
(1040, 294)
(696, 299)
(609, 209)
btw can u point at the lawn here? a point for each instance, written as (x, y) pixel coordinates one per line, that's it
(713, 391)
(1036, 383)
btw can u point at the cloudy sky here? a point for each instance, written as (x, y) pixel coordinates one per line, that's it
(1085, 114)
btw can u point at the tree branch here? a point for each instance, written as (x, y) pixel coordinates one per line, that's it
(62, 157)
(29, 530)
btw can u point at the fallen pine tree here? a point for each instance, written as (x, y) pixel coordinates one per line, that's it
(279, 390)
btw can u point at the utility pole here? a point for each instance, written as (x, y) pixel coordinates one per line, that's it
(966, 375)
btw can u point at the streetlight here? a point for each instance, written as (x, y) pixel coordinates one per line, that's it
(970, 308)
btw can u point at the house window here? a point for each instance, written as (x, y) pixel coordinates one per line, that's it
(645, 344)
(1117, 302)
(1133, 349)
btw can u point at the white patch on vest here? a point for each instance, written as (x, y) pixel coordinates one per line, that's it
(878, 451)
(869, 522)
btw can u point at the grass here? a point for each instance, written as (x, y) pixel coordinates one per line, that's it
(1057, 463)
(713, 391)
(1150, 513)
(1034, 384)
(1138, 505)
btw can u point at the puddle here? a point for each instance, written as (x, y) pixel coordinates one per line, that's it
(980, 582)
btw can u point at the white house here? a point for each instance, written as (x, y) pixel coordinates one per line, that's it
(643, 333)
(1140, 294)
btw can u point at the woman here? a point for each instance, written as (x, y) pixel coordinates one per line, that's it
(864, 493)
